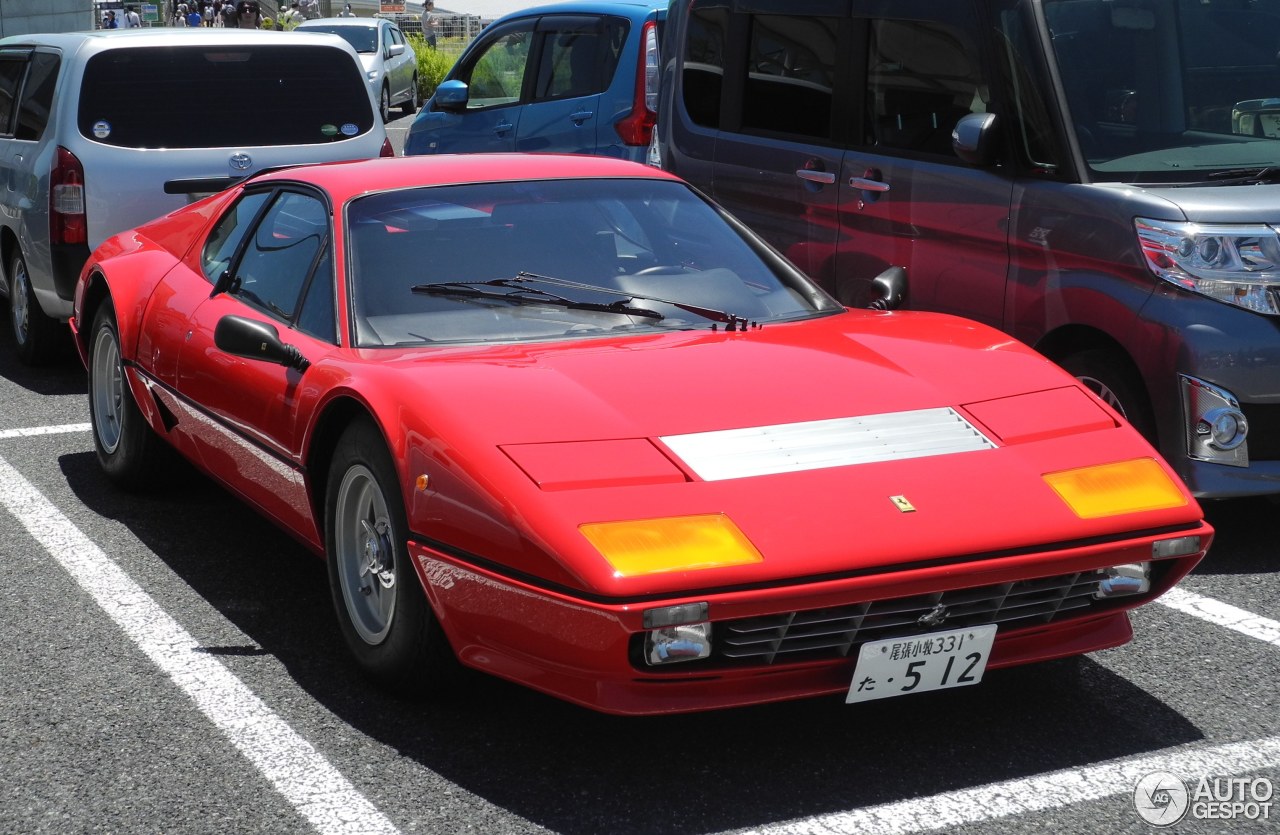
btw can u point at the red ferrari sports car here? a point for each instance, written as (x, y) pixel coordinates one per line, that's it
(563, 420)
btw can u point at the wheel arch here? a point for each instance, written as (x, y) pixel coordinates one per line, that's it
(1070, 340)
(336, 416)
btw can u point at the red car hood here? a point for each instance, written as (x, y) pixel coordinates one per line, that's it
(524, 444)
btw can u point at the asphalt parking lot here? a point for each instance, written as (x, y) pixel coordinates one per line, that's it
(171, 663)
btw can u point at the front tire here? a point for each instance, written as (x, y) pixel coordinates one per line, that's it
(382, 610)
(384, 104)
(36, 335)
(127, 448)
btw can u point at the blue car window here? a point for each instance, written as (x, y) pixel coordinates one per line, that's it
(497, 76)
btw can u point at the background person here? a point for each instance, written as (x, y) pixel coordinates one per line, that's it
(291, 17)
(248, 15)
(430, 23)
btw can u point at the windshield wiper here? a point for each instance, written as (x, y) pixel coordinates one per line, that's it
(527, 295)
(1245, 176)
(731, 320)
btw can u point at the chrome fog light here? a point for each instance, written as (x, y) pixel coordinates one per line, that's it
(1225, 428)
(672, 644)
(1124, 580)
(1216, 427)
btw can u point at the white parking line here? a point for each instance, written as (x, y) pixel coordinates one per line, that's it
(1222, 614)
(299, 772)
(1035, 794)
(33, 431)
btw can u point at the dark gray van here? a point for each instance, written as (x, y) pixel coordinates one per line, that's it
(1099, 178)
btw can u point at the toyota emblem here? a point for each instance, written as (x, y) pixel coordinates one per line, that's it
(241, 162)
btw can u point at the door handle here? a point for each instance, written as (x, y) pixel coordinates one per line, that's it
(581, 116)
(502, 127)
(864, 184)
(825, 178)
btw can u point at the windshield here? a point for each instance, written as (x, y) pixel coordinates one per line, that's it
(361, 38)
(1170, 90)
(563, 259)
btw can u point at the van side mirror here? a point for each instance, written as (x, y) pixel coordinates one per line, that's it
(890, 289)
(256, 340)
(452, 95)
(974, 138)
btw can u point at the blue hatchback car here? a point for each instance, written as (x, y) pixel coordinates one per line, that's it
(573, 77)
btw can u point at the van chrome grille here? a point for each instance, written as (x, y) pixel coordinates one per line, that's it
(836, 631)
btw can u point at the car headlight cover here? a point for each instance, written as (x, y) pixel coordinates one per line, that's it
(677, 543)
(1116, 489)
(1235, 264)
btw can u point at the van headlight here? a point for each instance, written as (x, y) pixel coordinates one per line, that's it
(1236, 264)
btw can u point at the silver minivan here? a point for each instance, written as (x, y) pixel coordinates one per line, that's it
(1099, 178)
(101, 131)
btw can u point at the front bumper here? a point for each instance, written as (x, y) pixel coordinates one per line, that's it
(583, 650)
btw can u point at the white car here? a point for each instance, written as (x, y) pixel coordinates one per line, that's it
(389, 61)
(111, 129)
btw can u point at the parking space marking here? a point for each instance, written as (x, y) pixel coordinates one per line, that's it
(33, 431)
(300, 773)
(1035, 794)
(1222, 614)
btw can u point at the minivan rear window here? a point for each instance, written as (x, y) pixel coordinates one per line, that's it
(223, 96)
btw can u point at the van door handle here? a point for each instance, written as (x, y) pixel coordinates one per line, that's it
(864, 184)
(502, 127)
(581, 116)
(825, 178)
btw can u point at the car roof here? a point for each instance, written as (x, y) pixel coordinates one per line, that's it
(625, 8)
(368, 22)
(162, 36)
(344, 180)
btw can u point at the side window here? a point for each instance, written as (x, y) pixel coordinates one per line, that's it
(702, 78)
(791, 68)
(497, 75)
(225, 239)
(37, 96)
(921, 78)
(579, 60)
(11, 68)
(279, 257)
(318, 314)
(1034, 138)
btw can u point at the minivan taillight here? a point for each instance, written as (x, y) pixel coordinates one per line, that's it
(388, 150)
(636, 128)
(66, 200)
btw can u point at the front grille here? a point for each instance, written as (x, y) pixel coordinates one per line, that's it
(829, 633)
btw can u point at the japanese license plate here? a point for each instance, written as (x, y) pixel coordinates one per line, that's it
(934, 661)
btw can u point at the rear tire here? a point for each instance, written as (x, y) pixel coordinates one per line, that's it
(38, 337)
(128, 450)
(383, 612)
(411, 106)
(1113, 380)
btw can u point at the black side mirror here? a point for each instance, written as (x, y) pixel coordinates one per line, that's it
(890, 289)
(256, 340)
(974, 138)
